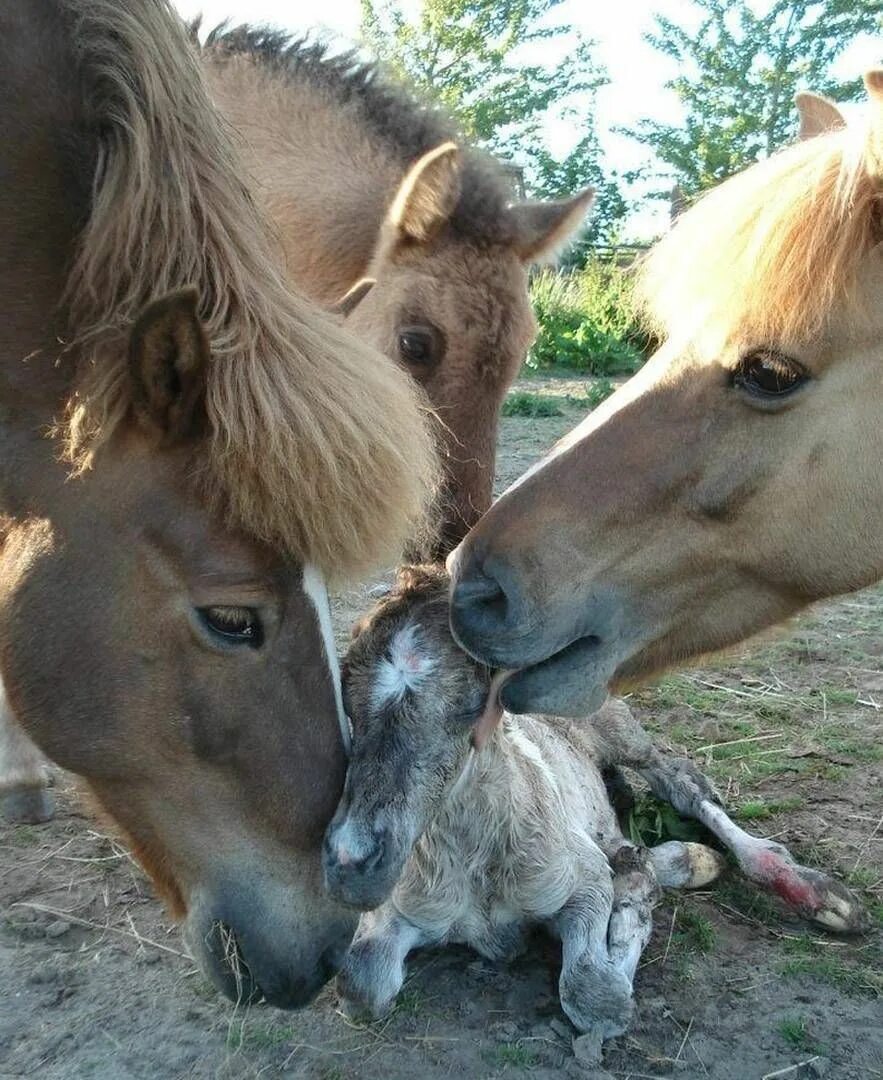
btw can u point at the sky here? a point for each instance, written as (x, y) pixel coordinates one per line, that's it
(637, 72)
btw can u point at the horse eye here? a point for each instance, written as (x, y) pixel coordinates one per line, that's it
(767, 374)
(234, 625)
(415, 346)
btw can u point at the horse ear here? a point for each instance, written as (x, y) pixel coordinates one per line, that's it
(543, 228)
(351, 299)
(817, 115)
(427, 196)
(168, 359)
(874, 85)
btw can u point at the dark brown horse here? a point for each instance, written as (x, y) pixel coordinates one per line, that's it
(737, 477)
(187, 449)
(366, 184)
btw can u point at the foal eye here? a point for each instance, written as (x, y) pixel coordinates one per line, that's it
(416, 346)
(766, 374)
(233, 625)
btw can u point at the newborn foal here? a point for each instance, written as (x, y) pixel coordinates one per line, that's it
(461, 842)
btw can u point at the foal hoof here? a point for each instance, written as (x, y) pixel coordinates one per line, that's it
(812, 894)
(29, 806)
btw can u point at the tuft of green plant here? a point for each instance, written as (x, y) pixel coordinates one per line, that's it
(525, 403)
(694, 931)
(806, 956)
(795, 1030)
(759, 809)
(258, 1036)
(513, 1055)
(652, 822)
(587, 321)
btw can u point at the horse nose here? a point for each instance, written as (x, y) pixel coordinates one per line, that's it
(486, 607)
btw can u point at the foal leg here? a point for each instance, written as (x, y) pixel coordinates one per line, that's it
(373, 970)
(812, 894)
(595, 991)
(25, 797)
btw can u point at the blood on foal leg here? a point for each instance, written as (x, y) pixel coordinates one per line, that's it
(812, 894)
(25, 797)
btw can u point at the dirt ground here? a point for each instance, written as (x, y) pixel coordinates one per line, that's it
(96, 982)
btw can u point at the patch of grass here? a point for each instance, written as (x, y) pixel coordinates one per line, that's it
(875, 909)
(694, 932)
(795, 1031)
(596, 392)
(527, 404)
(410, 1002)
(805, 956)
(22, 836)
(513, 1055)
(743, 897)
(251, 1035)
(835, 695)
(760, 809)
(863, 877)
(200, 987)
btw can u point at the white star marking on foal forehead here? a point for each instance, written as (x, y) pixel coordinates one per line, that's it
(404, 668)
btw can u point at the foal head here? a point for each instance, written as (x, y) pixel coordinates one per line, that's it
(414, 699)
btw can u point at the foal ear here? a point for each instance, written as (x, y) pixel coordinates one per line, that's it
(817, 115)
(351, 299)
(427, 196)
(543, 228)
(168, 358)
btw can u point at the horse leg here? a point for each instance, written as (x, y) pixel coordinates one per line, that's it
(373, 970)
(595, 991)
(812, 894)
(25, 797)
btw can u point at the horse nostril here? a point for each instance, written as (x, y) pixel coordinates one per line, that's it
(484, 600)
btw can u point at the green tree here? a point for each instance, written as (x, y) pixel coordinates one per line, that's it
(482, 61)
(738, 73)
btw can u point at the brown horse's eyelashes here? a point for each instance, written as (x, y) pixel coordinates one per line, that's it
(233, 626)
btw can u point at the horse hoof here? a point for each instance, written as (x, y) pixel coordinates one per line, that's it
(30, 806)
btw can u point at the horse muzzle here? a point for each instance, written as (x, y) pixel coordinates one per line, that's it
(254, 948)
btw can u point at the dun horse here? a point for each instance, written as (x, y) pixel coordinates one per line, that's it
(736, 479)
(218, 447)
(372, 197)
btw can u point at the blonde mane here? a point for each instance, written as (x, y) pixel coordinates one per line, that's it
(766, 256)
(317, 444)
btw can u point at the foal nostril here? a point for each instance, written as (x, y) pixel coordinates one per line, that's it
(356, 851)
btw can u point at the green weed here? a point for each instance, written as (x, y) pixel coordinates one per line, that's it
(527, 404)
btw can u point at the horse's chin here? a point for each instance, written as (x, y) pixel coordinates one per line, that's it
(572, 682)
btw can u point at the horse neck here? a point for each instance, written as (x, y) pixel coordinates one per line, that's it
(322, 181)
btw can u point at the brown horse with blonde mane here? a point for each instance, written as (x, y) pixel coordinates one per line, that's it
(377, 201)
(736, 479)
(188, 449)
